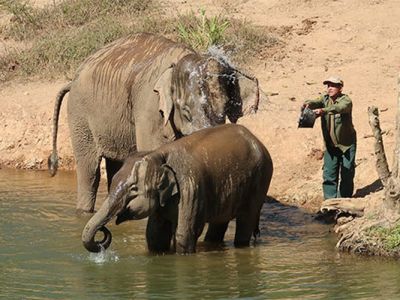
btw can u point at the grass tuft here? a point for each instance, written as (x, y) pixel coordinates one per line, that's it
(390, 237)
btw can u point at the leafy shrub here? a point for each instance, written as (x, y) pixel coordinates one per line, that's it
(202, 32)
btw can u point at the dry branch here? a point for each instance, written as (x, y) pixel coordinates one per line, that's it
(392, 190)
(381, 162)
(395, 168)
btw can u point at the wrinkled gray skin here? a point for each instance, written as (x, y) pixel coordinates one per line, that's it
(136, 94)
(212, 176)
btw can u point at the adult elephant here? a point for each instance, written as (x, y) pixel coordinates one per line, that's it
(198, 179)
(136, 94)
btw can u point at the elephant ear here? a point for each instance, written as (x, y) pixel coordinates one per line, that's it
(163, 88)
(249, 93)
(168, 186)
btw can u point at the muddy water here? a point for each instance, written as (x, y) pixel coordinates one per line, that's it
(41, 256)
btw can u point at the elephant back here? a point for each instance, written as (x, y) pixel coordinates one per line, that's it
(217, 150)
(127, 63)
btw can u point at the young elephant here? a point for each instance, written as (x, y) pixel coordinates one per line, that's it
(212, 176)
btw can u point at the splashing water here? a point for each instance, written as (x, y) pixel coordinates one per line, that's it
(223, 58)
(195, 76)
(104, 256)
(219, 54)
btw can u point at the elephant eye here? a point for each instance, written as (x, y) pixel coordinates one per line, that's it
(133, 189)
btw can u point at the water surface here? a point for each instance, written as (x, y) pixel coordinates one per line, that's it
(41, 255)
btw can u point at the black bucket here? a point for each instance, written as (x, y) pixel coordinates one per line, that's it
(307, 118)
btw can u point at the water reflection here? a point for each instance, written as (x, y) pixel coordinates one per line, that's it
(41, 256)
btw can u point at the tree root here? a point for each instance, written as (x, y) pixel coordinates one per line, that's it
(351, 206)
(356, 220)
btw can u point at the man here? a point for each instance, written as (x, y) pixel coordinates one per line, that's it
(335, 110)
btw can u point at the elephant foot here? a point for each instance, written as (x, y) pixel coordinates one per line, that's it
(183, 248)
(84, 213)
(242, 244)
(85, 207)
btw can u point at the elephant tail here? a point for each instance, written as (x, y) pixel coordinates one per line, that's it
(52, 161)
(256, 232)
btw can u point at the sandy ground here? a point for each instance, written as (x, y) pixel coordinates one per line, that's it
(358, 40)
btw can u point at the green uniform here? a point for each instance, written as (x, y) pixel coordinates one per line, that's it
(340, 141)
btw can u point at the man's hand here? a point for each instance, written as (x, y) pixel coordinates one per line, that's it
(319, 112)
(303, 106)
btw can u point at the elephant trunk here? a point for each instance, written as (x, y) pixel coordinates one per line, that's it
(95, 224)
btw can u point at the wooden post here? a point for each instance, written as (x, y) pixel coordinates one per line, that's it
(381, 161)
(395, 169)
(392, 191)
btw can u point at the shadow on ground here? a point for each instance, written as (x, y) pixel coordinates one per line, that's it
(369, 189)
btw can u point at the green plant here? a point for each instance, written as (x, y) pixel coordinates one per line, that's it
(390, 237)
(393, 239)
(202, 32)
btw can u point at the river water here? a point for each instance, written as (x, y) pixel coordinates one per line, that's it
(41, 255)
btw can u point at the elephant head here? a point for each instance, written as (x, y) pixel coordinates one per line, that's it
(201, 91)
(137, 190)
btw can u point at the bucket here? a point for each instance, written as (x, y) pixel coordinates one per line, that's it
(307, 118)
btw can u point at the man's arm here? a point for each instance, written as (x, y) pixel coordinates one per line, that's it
(315, 103)
(342, 105)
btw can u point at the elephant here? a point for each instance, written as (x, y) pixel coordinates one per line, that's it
(140, 92)
(211, 176)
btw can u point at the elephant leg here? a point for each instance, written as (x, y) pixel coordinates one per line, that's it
(88, 175)
(87, 164)
(243, 232)
(159, 233)
(186, 236)
(112, 167)
(246, 226)
(247, 222)
(216, 232)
